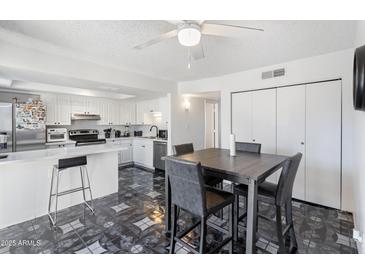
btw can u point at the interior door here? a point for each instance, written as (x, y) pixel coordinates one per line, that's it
(242, 116)
(323, 143)
(291, 130)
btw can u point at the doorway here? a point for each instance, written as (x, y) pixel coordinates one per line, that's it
(211, 124)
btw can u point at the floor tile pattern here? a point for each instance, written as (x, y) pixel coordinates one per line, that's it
(131, 221)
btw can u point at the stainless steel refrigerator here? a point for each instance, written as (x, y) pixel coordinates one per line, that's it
(22, 122)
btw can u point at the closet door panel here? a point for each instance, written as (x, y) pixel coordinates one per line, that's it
(264, 123)
(264, 119)
(291, 130)
(242, 116)
(323, 143)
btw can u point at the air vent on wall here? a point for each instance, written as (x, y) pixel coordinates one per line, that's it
(273, 73)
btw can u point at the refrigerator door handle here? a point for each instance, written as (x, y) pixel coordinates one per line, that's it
(14, 126)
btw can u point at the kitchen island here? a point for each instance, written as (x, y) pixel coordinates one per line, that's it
(25, 179)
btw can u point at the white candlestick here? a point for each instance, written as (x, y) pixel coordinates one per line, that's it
(232, 145)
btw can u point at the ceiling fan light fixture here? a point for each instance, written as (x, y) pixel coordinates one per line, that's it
(189, 35)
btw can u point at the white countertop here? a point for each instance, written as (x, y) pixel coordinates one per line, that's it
(135, 137)
(58, 153)
(67, 142)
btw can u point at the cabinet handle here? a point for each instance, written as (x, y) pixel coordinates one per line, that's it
(143, 146)
(302, 143)
(253, 140)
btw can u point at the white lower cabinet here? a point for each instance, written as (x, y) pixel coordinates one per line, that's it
(302, 118)
(143, 152)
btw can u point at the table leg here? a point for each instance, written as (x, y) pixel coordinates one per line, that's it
(251, 218)
(167, 205)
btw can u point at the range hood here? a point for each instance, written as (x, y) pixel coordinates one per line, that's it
(84, 116)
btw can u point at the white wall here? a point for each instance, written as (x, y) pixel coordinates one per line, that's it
(186, 126)
(317, 68)
(359, 149)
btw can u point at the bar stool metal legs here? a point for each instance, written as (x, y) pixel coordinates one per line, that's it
(55, 194)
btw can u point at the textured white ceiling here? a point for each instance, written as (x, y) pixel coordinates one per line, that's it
(111, 42)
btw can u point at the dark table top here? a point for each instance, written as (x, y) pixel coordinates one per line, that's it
(245, 165)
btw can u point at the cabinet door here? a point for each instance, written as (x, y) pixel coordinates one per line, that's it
(291, 130)
(140, 110)
(50, 102)
(64, 110)
(323, 143)
(138, 151)
(104, 112)
(264, 119)
(78, 104)
(242, 116)
(113, 113)
(148, 160)
(92, 105)
(164, 108)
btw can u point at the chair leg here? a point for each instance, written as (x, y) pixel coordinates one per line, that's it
(289, 220)
(203, 235)
(236, 208)
(279, 231)
(231, 228)
(173, 229)
(91, 206)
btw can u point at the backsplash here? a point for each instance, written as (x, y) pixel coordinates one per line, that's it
(93, 125)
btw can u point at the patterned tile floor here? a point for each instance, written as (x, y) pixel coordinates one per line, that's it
(131, 221)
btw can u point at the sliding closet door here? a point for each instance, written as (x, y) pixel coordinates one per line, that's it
(291, 130)
(242, 116)
(264, 119)
(264, 123)
(323, 143)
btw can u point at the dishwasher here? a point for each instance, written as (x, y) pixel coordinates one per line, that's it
(159, 151)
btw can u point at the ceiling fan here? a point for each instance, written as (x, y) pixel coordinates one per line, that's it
(189, 33)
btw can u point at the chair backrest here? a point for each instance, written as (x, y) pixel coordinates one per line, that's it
(187, 185)
(183, 149)
(286, 181)
(72, 162)
(248, 147)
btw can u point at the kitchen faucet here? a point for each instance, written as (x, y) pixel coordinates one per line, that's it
(156, 130)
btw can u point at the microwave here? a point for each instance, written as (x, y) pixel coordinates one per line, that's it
(56, 135)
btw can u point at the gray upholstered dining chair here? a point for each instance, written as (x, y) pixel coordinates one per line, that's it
(280, 196)
(244, 147)
(248, 147)
(189, 148)
(189, 192)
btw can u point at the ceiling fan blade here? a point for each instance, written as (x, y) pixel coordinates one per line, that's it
(158, 39)
(225, 29)
(176, 22)
(197, 52)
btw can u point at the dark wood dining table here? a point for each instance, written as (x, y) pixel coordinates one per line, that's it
(245, 168)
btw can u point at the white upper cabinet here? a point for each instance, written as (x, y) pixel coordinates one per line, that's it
(291, 130)
(78, 104)
(127, 113)
(109, 112)
(242, 116)
(323, 143)
(58, 109)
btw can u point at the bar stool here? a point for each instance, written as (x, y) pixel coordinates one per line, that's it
(64, 164)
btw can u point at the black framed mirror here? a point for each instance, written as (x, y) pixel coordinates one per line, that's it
(359, 79)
